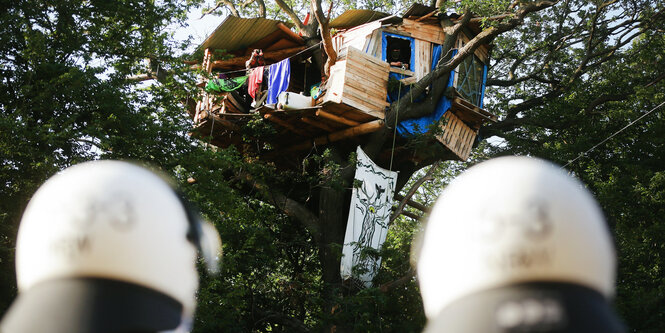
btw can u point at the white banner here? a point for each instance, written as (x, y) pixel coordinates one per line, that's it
(369, 214)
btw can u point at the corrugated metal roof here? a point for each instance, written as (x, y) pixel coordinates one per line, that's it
(356, 17)
(236, 33)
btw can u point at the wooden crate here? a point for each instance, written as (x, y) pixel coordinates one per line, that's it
(360, 81)
(457, 136)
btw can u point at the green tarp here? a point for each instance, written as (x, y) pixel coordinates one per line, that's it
(225, 85)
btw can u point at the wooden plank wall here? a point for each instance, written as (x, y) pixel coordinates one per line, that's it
(355, 37)
(360, 81)
(457, 136)
(423, 57)
(419, 30)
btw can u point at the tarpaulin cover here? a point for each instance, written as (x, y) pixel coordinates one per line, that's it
(421, 125)
(482, 89)
(222, 85)
(369, 214)
(278, 79)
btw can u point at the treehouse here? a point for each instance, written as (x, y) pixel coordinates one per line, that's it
(261, 72)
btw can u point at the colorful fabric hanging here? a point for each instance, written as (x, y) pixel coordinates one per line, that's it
(254, 81)
(369, 214)
(278, 79)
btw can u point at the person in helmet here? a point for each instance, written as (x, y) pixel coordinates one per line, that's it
(516, 245)
(108, 246)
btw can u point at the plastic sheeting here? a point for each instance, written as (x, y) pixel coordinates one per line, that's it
(222, 85)
(422, 125)
(482, 88)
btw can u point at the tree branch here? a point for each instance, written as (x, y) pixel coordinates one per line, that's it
(325, 35)
(287, 205)
(427, 177)
(388, 286)
(291, 14)
(444, 67)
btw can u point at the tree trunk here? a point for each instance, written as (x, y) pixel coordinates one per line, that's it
(334, 201)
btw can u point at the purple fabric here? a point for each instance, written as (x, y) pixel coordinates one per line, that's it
(278, 79)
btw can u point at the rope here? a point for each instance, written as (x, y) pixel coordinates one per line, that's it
(613, 135)
(392, 150)
(297, 54)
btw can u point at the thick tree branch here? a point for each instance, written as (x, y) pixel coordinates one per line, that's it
(230, 5)
(325, 35)
(292, 15)
(388, 286)
(427, 177)
(444, 67)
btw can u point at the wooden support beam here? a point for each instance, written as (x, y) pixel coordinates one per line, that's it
(317, 123)
(216, 121)
(402, 71)
(336, 118)
(285, 124)
(474, 110)
(290, 33)
(271, 56)
(426, 16)
(365, 128)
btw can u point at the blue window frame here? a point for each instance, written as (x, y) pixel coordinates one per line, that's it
(386, 39)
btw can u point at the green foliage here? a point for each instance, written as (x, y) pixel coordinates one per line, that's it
(64, 99)
(580, 111)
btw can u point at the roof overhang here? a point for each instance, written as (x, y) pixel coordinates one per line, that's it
(235, 33)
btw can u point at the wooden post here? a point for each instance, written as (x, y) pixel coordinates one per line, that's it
(203, 103)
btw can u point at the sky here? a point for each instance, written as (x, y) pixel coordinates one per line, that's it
(199, 28)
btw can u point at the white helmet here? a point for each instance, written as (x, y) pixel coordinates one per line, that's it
(115, 238)
(515, 244)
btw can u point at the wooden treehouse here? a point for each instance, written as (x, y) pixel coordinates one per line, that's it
(300, 113)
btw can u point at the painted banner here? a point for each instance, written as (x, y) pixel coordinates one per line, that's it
(369, 214)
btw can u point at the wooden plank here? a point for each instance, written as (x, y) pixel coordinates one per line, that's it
(281, 45)
(341, 135)
(380, 77)
(423, 57)
(401, 71)
(457, 136)
(318, 124)
(296, 113)
(285, 124)
(380, 72)
(366, 109)
(290, 33)
(271, 55)
(424, 17)
(423, 31)
(348, 112)
(377, 92)
(355, 55)
(366, 97)
(337, 119)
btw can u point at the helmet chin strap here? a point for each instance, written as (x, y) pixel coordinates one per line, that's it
(203, 236)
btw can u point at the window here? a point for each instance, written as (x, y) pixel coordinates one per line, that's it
(398, 52)
(470, 77)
